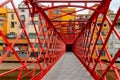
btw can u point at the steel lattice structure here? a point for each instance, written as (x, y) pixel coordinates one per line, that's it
(83, 41)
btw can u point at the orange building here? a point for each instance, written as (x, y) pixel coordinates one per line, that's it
(67, 27)
(55, 16)
(3, 25)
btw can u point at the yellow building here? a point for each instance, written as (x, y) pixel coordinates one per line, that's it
(12, 22)
(21, 46)
(104, 32)
(9, 26)
(69, 17)
(81, 20)
(3, 25)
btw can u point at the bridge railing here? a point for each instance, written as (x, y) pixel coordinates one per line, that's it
(34, 48)
(92, 47)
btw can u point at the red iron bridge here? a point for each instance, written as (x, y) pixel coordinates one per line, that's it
(52, 62)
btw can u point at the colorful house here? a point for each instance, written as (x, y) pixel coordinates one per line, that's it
(3, 25)
(12, 22)
(69, 17)
(104, 32)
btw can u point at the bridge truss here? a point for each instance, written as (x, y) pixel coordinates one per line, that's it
(82, 39)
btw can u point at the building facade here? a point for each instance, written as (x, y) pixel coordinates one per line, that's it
(55, 16)
(9, 27)
(114, 42)
(3, 25)
(25, 17)
(82, 18)
(12, 24)
(69, 17)
(104, 32)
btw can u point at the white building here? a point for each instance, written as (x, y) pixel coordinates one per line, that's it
(114, 42)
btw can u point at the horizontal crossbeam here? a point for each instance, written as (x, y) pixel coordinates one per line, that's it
(75, 1)
(71, 21)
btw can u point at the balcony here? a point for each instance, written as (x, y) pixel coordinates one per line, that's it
(20, 41)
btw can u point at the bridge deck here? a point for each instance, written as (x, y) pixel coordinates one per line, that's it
(68, 68)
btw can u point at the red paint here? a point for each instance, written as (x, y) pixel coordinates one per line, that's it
(55, 40)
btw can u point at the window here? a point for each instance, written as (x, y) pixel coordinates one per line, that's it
(36, 45)
(103, 52)
(15, 22)
(1, 24)
(86, 44)
(23, 36)
(98, 24)
(22, 55)
(32, 35)
(23, 22)
(1, 43)
(12, 24)
(112, 16)
(57, 12)
(34, 54)
(31, 23)
(36, 15)
(12, 33)
(100, 16)
(103, 33)
(41, 37)
(99, 42)
(45, 29)
(105, 25)
(36, 22)
(22, 17)
(118, 25)
(87, 16)
(44, 45)
(12, 16)
(43, 21)
(22, 10)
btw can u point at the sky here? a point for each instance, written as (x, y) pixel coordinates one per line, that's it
(115, 4)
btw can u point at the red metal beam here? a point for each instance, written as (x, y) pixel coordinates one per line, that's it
(118, 54)
(71, 21)
(72, 12)
(115, 30)
(74, 1)
(76, 6)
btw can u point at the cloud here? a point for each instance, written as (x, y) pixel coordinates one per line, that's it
(115, 4)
